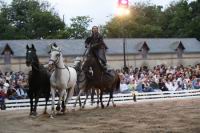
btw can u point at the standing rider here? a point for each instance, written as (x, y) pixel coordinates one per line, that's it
(95, 41)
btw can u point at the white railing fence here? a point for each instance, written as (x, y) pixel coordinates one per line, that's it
(118, 98)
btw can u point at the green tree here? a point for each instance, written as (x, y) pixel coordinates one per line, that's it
(46, 25)
(194, 25)
(177, 18)
(32, 19)
(79, 27)
(7, 31)
(143, 21)
(180, 19)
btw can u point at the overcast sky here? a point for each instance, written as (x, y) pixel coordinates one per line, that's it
(100, 10)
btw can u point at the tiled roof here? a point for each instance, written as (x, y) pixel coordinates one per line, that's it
(76, 47)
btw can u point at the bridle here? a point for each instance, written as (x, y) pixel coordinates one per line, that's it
(32, 64)
(55, 62)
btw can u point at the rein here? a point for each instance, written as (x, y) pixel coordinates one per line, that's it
(35, 67)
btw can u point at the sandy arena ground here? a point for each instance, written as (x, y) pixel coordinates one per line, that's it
(166, 117)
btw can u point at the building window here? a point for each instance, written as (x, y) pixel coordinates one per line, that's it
(144, 50)
(180, 50)
(7, 53)
(7, 57)
(180, 53)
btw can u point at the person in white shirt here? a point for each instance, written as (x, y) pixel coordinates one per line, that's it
(6, 85)
(123, 87)
(171, 85)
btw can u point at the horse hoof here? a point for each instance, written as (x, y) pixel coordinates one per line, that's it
(34, 114)
(58, 108)
(44, 113)
(51, 116)
(114, 105)
(31, 113)
(63, 110)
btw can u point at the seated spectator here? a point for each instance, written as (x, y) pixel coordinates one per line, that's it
(146, 86)
(20, 92)
(196, 84)
(11, 93)
(132, 85)
(187, 83)
(6, 86)
(171, 85)
(124, 87)
(139, 87)
(2, 99)
(162, 85)
(154, 86)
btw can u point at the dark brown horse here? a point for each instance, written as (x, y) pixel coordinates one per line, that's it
(93, 76)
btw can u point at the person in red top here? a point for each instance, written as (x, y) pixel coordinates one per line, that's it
(2, 99)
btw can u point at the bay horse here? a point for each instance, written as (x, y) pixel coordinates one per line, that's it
(38, 80)
(63, 79)
(81, 78)
(96, 78)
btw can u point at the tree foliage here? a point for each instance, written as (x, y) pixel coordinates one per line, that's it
(28, 19)
(180, 19)
(32, 19)
(79, 26)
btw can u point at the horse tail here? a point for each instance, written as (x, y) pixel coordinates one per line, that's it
(118, 83)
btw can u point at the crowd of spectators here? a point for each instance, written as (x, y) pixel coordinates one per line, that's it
(13, 85)
(160, 78)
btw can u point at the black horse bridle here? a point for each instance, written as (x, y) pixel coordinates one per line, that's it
(32, 63)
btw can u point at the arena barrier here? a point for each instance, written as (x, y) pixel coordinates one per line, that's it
(118, 98)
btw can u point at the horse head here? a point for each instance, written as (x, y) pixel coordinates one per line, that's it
(92, 62)
(31, 56)
(78, 63)
(55, 55)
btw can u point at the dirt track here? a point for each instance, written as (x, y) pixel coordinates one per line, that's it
(168, 116)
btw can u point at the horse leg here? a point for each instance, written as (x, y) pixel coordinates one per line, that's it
(97, 98)
(87, 93)
(70, 93)
(52, 102)
(92, 96)
(45, 108)
(109, 98)
(61, 94)
(114, 105)
(31, 104)
(35, 106)
(78, 98)
(101, 99)
(46, 99)
(76, 92)
(63, 102)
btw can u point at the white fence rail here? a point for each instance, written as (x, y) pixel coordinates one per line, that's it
(118, 98)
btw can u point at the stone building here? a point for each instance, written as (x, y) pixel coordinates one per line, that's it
(139, 52)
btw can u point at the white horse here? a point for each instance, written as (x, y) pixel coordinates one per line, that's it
(63, 79)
